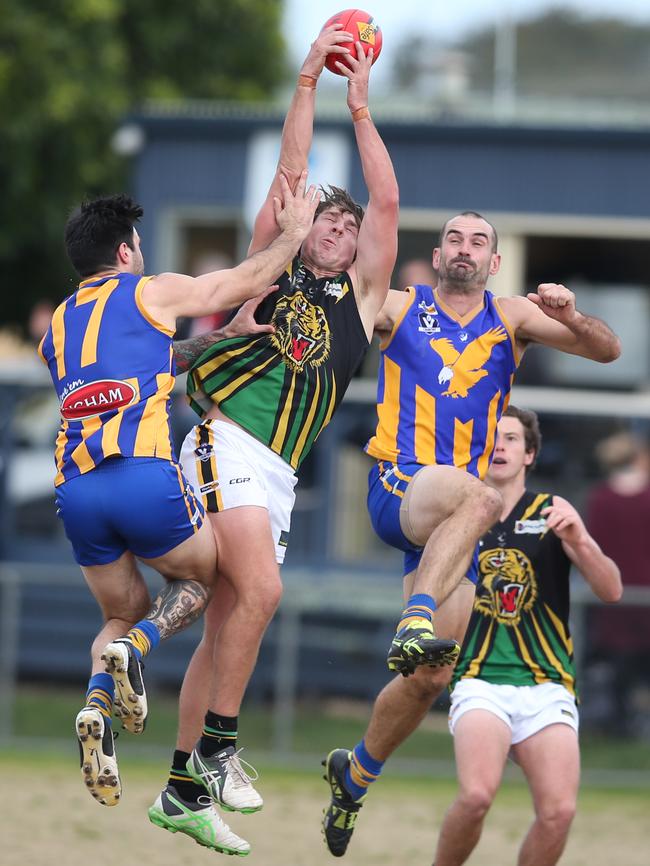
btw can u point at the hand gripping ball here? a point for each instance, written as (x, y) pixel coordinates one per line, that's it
(362, 27)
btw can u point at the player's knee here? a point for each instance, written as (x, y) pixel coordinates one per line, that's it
(557, 814)
(476, 801)
(428, 683)
(487, 504)
(272, 597)
(262, 596)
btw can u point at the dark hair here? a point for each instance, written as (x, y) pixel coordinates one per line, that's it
(338, 198)
(478, 216)
(96, 229)
(532, 433)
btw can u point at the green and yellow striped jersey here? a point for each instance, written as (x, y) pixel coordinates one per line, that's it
(519, 632)
(283, 387)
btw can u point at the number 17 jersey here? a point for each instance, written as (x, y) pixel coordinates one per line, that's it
(112, 367)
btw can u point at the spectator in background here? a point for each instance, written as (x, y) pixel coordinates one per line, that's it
(415, 272)
(39, 319)
(618, 517)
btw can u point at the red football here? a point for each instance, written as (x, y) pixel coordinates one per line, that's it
(362, 27)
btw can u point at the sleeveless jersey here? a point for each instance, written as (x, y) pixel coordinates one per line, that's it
(283, 388)
(444, 381)
(519, 631)
(113, 370)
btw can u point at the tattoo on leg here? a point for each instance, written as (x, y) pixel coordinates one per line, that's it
(177, 606)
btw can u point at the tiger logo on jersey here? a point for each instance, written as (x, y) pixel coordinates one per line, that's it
(302, 335)
(507, 586)
(462, 370)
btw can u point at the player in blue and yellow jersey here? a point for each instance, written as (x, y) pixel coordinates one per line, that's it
(514, 684)
(119, 491)
(448, 358)
(264, 398)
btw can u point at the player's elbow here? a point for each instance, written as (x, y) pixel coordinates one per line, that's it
(613, 591)
(611, 351)
(614, 595)
(388, 201)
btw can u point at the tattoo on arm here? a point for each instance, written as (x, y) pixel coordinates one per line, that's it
(177, 606)
(187, 351)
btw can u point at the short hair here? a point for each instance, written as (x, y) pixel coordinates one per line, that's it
(339, 199)
(95, 230)
(532, 433)
(619, 451)
(478, 216)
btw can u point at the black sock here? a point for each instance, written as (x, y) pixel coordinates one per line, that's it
(181, 780)
(218, 732)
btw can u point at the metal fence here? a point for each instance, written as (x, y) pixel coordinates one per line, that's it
(329, 637)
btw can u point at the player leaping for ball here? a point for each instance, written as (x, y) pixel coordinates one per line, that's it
(448, 358)
(119, 491)
(264, 399)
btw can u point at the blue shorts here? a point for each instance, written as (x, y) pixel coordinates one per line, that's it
(387, 483)
(141, 504)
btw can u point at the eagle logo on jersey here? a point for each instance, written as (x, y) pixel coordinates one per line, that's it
(507, 587)
(302, 335)
(462, 370)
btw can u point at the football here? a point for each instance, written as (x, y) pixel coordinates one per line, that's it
(362, 27)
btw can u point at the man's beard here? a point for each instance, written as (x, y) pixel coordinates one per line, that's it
(462, 280)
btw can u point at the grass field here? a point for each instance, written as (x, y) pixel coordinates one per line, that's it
(47, 816)
(319, 728)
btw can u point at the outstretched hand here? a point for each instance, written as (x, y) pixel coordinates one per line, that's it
(357, 75)
(243, 323)
(295, 213)
(555, 301)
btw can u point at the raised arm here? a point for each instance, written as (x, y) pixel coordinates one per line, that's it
(550, 317)
(377, 244)
(601, 573)
(298, 129)
(168, 296)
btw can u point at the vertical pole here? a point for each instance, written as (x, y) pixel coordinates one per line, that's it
(505, 64)
(286, 679)
(9, 614)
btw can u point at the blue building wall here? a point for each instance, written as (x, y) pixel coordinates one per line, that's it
(194, 161)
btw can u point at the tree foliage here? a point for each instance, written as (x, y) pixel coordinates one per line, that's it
(69, 71)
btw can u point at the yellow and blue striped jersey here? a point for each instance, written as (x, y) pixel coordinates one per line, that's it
(112, 367)
(444, 381)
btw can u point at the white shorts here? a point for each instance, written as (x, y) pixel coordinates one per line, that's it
(228, 468)
(525, 709)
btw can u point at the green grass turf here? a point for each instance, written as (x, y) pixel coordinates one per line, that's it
(318, 728)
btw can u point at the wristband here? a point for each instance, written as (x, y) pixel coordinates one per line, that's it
(307, 81)
(360, 114)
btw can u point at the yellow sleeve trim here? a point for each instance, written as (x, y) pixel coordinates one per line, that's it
(509, 329)
(398, 321)
(145, 312)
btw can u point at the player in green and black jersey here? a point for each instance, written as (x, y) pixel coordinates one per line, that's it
(514, 685)
(264, 399)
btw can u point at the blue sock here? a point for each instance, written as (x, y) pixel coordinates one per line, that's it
(362, 771)
(144, 636)
(100, 694)
(419, 606)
